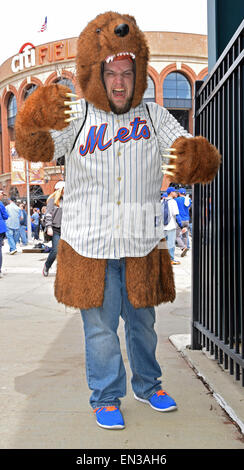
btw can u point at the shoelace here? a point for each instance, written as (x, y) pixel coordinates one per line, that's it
(107, 408)
(161, 392)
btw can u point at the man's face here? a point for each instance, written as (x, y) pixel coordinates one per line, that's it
(119, 83)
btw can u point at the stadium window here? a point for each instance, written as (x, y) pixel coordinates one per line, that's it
(11, 110)
(177, 97)
(29, 90)
(177, 91)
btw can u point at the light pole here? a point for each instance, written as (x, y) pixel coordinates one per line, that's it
(28, 203)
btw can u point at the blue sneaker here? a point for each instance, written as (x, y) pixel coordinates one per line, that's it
(109, 417)
(160, 401)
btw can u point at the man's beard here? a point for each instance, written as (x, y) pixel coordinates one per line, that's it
(118, 110)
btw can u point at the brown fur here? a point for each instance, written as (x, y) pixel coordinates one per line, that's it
(150, 279)
(42, 111)
(198, 161)
(80, 281)
(93, 48)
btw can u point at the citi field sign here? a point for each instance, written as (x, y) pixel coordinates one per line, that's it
(29, 55)
(25, 59)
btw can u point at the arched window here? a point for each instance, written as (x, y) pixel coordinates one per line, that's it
(177, 97)
(149, 94)
(66, 82)
(177, 91)
(36, 195)
(29, 90)
(12, 110)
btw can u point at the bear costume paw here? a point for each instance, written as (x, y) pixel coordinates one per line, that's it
(194, 160)
(43, 110)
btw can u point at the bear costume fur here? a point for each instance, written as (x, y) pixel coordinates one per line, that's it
(80, 280)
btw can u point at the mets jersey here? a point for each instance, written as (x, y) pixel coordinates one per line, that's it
(112, 203)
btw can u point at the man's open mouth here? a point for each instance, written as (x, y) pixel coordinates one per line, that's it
(119, 92)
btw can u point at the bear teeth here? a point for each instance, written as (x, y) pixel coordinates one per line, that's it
(111, 58)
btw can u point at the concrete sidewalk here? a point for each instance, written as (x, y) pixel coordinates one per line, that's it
(44, 395)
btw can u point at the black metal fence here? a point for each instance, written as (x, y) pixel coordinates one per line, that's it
(217, 294)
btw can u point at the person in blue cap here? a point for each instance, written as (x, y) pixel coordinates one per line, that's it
(184, 203)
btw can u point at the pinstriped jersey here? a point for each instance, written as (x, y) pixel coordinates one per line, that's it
(111, 206)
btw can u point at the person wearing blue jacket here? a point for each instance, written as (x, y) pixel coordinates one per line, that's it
(13, 225)
(3, 227)
(184, 204)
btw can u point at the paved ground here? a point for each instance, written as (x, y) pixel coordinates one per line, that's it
(44, 395)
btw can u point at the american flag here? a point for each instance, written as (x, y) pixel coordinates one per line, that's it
(44, 26)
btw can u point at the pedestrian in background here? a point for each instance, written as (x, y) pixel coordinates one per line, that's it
(23, 224)
(13, 225)
(53, 218)
(170, 228)
(43, 223)
(182, 237)
(3, 227)
(36, 221)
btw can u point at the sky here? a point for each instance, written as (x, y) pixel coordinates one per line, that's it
(21, 21)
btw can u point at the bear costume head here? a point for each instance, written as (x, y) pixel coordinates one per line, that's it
(106, 37)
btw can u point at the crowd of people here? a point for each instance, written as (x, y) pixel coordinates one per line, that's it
(176, 209)
(16, 223)
(45, 224)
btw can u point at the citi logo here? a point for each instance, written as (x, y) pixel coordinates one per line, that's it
(26, 58)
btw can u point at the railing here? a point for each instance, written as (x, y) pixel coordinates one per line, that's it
(217, 294)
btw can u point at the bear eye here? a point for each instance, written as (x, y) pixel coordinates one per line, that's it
(98, 30)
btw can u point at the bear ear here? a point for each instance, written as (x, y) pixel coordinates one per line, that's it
(131, 18)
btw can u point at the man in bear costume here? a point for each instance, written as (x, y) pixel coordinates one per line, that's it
(112, 257)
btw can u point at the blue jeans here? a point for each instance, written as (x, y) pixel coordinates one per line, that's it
(36, 231)
(12, 235)
(2, 236)
(182, 239)
(53, 253)
(23, 235)
(105, 369)
(171, 237)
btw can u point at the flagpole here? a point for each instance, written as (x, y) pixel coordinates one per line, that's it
(28, 203)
